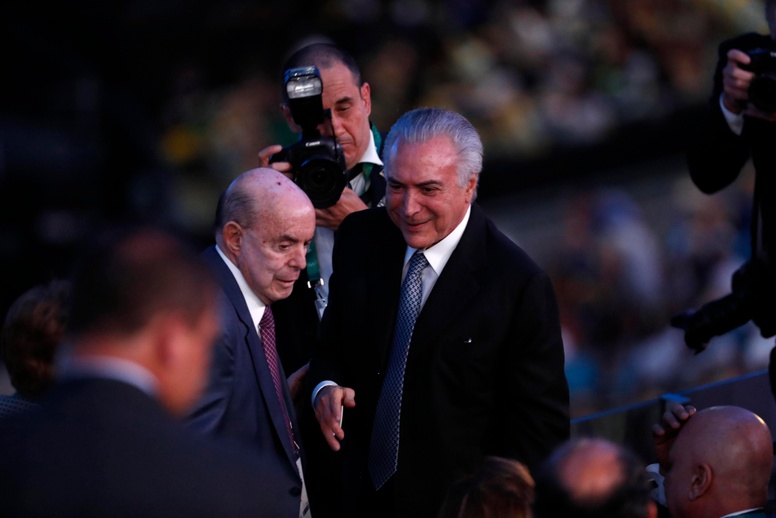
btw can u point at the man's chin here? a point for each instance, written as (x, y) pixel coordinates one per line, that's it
(416, 240)
(284, 290)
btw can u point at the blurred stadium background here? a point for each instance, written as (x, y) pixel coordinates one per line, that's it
(150, 107)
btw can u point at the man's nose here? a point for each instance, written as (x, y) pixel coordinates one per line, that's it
(410, 202)
(299, 258)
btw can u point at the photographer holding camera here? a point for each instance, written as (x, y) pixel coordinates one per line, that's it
(347, 104)
(741, 125)
(328, 105)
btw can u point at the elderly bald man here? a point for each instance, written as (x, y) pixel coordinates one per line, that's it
(716, 462)
(264, 223)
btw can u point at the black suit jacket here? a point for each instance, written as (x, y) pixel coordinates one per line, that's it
(485, 369)
(100, 447)
(240, 400)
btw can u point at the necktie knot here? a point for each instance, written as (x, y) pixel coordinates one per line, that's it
(267, 321)
(418, 263)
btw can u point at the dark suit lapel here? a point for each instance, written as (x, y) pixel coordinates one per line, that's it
(457, 285)
(384, 285)
(255, 349)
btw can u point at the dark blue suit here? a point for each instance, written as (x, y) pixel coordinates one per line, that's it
(100, 447)
(240, 400)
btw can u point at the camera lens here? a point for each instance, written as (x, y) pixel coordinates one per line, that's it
(322, 179)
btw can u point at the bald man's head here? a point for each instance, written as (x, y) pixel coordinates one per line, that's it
(720, 461)
(257, 193)
(263, 225)
(593, 477)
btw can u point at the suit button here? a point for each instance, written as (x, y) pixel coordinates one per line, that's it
(295, 491)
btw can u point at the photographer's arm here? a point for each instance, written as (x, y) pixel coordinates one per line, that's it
(717, 153)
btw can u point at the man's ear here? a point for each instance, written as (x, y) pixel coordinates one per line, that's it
(232, 233)
(701, 481)
(471, 187)
(172, 351)
(170, 329)
(366, 95)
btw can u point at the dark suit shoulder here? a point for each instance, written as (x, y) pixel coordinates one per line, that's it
(366, 232)
(503, 255)
(365, 221)
(99, 447)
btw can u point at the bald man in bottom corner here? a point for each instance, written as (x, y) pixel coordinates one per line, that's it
(716, 462)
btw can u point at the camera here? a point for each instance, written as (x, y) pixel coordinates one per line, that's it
(748, 300)
(317, 161)
(762, 90)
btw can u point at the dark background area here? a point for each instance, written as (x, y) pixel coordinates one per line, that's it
(143, 109)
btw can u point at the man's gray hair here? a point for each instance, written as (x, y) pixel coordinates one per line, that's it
(423, 124)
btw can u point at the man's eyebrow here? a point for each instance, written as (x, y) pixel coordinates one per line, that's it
(427, 183)
(344, 100)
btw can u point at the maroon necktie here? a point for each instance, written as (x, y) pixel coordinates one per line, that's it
(267, 329)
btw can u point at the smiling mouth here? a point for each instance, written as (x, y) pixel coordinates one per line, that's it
(414, 225)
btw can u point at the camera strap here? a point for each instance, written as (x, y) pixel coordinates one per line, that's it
(314, 280)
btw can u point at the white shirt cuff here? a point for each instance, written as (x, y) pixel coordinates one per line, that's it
(735, 122)
(319, 386)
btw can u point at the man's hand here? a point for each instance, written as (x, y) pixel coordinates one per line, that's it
(736, 81)
(331, 217)
(329, 403)
(267, 152)
(665, 432)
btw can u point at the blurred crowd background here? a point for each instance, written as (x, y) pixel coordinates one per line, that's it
(150, 107)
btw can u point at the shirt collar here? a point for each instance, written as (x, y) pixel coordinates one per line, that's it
(370, 156)
(254, 303)
(438, 254)
(72, 366)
